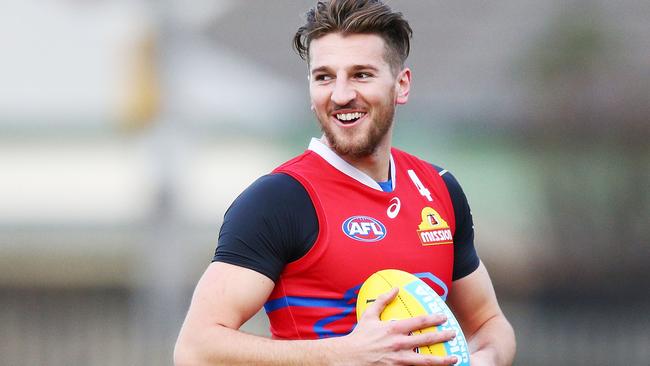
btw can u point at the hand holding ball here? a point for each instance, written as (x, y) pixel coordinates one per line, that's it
(414, 298)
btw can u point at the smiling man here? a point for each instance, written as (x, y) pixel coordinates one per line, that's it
(347, 207)
(354, 97)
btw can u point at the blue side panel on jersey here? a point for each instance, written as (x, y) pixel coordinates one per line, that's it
(350, 298)
(319, 327)
(311, 302)
(436, 280)
(347, 305)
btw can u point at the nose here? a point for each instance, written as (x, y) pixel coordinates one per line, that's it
(343, 92)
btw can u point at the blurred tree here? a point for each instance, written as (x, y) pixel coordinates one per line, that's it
(589, 112)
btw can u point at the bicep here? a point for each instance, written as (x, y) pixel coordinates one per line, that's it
(473, 300)
(228, 295)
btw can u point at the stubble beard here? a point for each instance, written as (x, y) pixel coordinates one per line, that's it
(351, 146)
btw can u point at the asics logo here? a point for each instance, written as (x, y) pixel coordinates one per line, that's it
(394, 207)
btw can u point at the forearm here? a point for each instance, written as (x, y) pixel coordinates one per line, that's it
(373, 342)
(219, 345)
(493, 343)
(209, 335)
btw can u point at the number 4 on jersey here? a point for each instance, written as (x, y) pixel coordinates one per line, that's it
(418, 184)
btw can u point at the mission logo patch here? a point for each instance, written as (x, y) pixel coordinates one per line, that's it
(433, 230)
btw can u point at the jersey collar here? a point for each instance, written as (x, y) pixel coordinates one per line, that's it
(317, 146)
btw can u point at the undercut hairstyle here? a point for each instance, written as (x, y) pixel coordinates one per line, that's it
(357, 17)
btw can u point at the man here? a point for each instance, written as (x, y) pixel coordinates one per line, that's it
(301, 240)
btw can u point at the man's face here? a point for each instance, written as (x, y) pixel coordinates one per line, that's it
(354, 92)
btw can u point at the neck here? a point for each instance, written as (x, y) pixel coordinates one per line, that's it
(375, 165)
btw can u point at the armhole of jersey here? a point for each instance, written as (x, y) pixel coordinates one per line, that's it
(441, 173)
(320, 217)
(454, 197)
(289, 233)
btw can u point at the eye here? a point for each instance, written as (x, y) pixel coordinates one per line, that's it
(322, 77)
(363, 75)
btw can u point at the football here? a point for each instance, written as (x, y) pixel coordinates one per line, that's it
(415, 298)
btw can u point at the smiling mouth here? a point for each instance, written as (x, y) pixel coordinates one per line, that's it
(349, 118)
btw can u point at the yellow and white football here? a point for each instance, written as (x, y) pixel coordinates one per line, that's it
(415, 298)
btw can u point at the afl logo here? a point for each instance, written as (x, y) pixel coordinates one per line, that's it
(364, 228)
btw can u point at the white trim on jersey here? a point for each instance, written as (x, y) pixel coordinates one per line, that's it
(317, 146)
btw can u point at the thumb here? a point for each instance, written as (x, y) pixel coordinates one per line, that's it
(374, 310)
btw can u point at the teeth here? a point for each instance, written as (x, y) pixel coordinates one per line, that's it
(349, 116)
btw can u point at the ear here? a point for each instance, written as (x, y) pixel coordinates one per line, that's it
(403, 86)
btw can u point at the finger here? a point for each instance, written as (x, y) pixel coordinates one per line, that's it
(412, 358)
(374, 310)
(426, 339)
(419, 322)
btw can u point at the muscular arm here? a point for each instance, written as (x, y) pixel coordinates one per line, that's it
(228, 295)
(490, 336)
(225, 297)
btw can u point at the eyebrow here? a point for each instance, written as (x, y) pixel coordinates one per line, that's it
(354, 68)
(365, 67)
(319, 69)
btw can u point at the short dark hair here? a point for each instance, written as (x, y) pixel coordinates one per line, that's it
(357, 16)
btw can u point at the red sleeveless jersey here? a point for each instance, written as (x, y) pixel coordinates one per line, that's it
(362, 229)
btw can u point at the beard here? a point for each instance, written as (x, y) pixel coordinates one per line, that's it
(356, 143)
